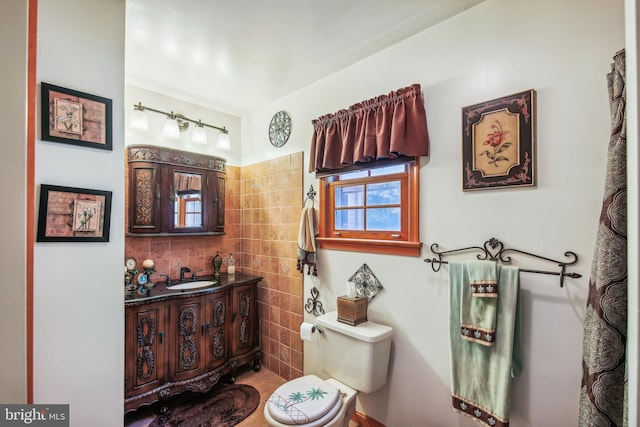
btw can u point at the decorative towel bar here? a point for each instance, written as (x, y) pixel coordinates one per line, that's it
(494, 250)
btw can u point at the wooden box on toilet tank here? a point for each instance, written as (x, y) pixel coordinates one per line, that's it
(352, 311)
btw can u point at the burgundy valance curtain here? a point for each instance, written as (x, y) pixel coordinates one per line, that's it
(385, 127)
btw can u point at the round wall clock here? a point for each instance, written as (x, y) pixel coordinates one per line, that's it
(130, 263)
(279, 129)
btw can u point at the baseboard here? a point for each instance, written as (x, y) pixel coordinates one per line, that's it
(364, 421)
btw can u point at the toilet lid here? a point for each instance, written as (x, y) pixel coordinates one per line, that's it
(303, 401)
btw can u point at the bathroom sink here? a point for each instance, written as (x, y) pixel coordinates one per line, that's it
(193, 285)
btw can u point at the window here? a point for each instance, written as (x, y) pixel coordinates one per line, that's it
(371, 210)
(188, 210)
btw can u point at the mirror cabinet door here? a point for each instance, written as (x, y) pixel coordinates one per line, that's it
(186, 198)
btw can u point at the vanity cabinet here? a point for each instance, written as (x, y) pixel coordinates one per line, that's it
(177, 341)
(244, 327)
(145, 345)
(174, 192)
(198, 327)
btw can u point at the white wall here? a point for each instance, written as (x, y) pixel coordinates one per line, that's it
(562, 49)
(135, 94)
(78, 297)
(13, 120)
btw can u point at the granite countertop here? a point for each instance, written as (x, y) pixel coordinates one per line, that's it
(161, 291)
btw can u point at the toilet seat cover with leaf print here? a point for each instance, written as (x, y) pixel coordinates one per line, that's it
(304, 400)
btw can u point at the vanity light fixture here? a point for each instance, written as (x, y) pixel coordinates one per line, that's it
(177, 123)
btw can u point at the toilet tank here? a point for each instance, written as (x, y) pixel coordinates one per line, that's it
(355, 355)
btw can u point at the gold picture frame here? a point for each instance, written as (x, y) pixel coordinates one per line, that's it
(498, 143)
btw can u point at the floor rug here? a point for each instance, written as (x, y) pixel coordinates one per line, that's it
(222, 407)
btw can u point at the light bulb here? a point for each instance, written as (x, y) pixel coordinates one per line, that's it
(139, 120)
(224, 143)
(171, 129)
(199, 135)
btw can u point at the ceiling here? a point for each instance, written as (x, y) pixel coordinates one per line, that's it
(236, 56)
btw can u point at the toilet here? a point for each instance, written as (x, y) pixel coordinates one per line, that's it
(356, 359)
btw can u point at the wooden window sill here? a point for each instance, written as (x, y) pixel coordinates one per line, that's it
(387, 247)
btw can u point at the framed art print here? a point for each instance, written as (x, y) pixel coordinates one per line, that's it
(74, 117)
(498, 143)
(69, 214)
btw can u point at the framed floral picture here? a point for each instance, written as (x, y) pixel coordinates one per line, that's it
(498, 143)
(73, 117)
(69, 214)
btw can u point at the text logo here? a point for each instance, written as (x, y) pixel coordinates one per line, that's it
(34, 415)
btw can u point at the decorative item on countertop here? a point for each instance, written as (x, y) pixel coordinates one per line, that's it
(367, 284)
(148, 269)
(352, 311)
(130, 273)
(217, 262)
(129, 285)
(144, 284)
(307, 233)
(142, 280)
(231, 266)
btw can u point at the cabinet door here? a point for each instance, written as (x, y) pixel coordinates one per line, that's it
(145, 197)
(218, 323)
(217, 197)
(244, 319)
(188, 207)
(186, 331)
(144, 348)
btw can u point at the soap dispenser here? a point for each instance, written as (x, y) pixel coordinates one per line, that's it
(231, 266)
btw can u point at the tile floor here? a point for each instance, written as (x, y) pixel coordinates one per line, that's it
(264, 381)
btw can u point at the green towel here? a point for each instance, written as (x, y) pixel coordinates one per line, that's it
(479, 302)
(481, 375)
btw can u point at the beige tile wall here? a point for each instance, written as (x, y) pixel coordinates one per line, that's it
(263, 205)
(271, 203)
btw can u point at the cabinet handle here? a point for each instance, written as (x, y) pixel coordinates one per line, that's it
(158, 195)
(206, 327)
(171, 195)
(161, 337)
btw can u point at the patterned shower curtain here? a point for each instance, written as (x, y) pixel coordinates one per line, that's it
(603, 391)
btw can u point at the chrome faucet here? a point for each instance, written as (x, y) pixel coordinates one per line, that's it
(184, 270)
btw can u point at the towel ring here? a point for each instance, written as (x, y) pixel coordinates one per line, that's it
(311, 195)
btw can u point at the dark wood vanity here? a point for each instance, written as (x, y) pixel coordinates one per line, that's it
(189, 340)
(175, 192)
